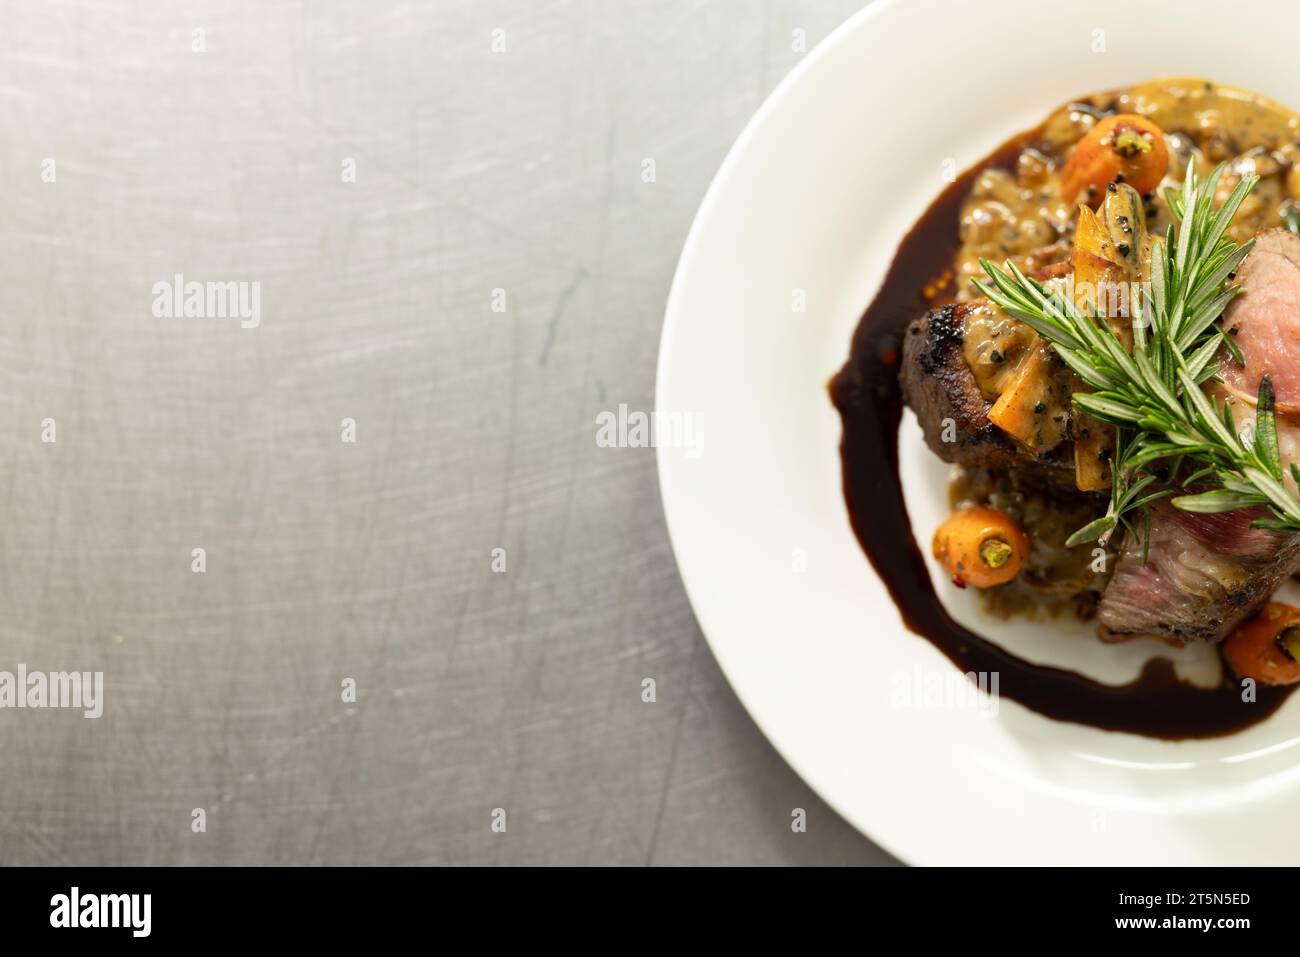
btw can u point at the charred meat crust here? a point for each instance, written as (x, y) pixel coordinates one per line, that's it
(938, 386)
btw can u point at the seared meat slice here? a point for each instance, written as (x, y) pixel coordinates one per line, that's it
(1204, 575)
(940, 388)
(1207, 573)
(1265, 321)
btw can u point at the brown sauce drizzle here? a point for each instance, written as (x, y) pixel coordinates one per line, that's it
(867, 394)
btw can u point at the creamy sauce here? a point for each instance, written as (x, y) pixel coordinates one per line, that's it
(994, 345)
(1021, 214)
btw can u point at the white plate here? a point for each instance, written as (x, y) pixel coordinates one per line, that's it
(815, 195)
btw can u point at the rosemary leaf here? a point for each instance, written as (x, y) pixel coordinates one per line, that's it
(1153, 395)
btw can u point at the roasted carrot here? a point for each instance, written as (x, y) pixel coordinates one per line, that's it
(1022, 409)
(1106, 259)
(1126, 145)
(1267, 646)
(980, 546)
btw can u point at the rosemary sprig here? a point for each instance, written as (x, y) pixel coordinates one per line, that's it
(1153, 395)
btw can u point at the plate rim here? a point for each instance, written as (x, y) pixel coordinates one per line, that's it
(698, 226)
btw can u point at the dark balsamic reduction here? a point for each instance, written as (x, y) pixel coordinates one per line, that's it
(867, 394)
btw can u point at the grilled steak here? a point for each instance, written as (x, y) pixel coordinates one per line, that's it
(940, 388)
(1204, 575)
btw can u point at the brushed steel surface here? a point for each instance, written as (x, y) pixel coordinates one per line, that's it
(326, 560)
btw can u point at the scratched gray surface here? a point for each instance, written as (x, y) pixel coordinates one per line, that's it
(475, 170)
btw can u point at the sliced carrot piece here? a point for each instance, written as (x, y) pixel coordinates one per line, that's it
(1266, 647)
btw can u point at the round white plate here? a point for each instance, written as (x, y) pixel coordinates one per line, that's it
(812, 201)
